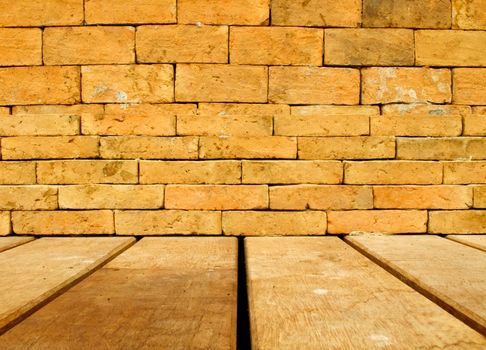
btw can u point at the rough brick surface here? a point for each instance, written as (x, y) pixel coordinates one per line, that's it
(20, 47)
(458, 148)
(465, 172)
(403, 109)
(76, 109)
(4, 223)
(416, 125)
(322, 125)
(469, 86)
(40, 125)
(480, 197)
(17, 173)
(469, 14)
(149, 124)
(322, 110)
(475, 125)
(225, 125)
(222, 109)
(457, 222)
(28, 198)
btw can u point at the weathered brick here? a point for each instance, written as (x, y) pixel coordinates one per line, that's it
(31, 13)
(425, 109)
(393, 172)
(130, 11)
(410, 85)
(128, 83)
(20, 47)
(452, 148)
(377, 221)
(39, 85)
(416, 125)
(460, 221)
(17, 173)
(182, 43)
(475, 125)
(129, 124)
(480, 197)
(4, 110)
(247, 147)
(146, 147)
(354, 147)
(50, 147)
(276, 45)
(261, 223)
(89, 45)
(227, 109)
(221, 83)
(292, 172)
(179, 222)
(479, 109)
(58, 109)
(316, 13)
(148, 110)
(322, 125)
(303, 197)
(314, 85)
(190, 172)
(450, 48)
(63, 222)
(369, 47)
(216, 197)
(244, 125)
(469, 85)
(422, 197)
(87, 172)
(28, 198)
(316, 110)
(469, 14)
(465, 172)
(4, 223)
(41, 125)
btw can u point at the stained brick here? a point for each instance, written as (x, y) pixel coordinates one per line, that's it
(460, 221)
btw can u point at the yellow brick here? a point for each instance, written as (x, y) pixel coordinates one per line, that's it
(479, 109)
(247, 147)
(58, 109)
(146, 147)
(89, 45)
(469, 85)
(20, 47)
(393, 172)
(276, 46)
(4, 110)
(355, 147)
(130, 11)
(314, 85)
(129, 124)
(319, 110)
(149, 110)
(322, 125)
(450, 48)
(221, 83)
(480, 197)
(422, 197)
(460, 221)
(465, 172)
(369, 47)
(425, 109)
(225, 125)
(441, 148)
(45, 147)
(182, 43)
(475, 125)
(4, 223)
(63, 222)
(216, 197)
(86, 172)
(292, 172)
(28, 198)
(416, 125)
(227, 109)
(410, 85)
(190, 172)
(261, 223)
(17, 173)
(128, 84)
(41, 125)
(316, 13)
(166, 222)
(111, 197)
(27, 13)
(469, 14)
(303, 197)
(39, 85)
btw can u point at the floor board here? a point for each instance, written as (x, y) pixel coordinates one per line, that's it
(475, 241)
(7, 243)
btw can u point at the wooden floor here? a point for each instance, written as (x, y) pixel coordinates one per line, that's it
(360, 292)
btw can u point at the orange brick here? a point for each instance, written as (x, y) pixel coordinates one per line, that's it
(465, 172)
(469, 85)
(81, 45)
(479, 109)
(322, 125)
(480, 197)
(457, 222)
(4, 110)
(469, 14)
(58, 109)
(17, 173)
(314, 85)
(276, 46)
(4, 223)
(227, 109)
(31, 13)
(475, 125)
(321, 110)
(416, 125)
(225, 125)
(41, 125)
(129, 124)
(425, 109)
(441, 148)
(28, 198)
(149, 110)
(20, 47)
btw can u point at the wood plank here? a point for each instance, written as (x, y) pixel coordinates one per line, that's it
(475, 241)
(34, 272)
(7, 243)
(162, 293)
(451, 274)
(320, 293)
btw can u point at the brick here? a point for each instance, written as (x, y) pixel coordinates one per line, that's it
(409, 85)
(262, 223)
(447, 148)
(469, 14)
(469, 86)
(20, 47)
(408, 14)
(28, 198)
(276, 46)
(425, 109)
(457, 222)
(303, 197)
(50, 147)
(216, 197)
(393, 172)
(314, 85)
(81, 45)
(465, 172)
(450, 48)
(322, 125)
(4, 223)
(31, 13)
(17, 173)
(129, 124)
(479, 109)
(316, 110)
(316, 13)
(4, 110)
(128, 84)
(475, 125)
(246, 12)
(416, 125)
(130, 12)
(244, 125)
(146, 147)
(182, 43)
(247, 147)
(354, 147)
(422, 197)
(39, 85)
(167, 222)
(292, 172)
(58, 109)
(221, 83)
(369, 47)
(190, 172)
(111, 197)
(227, 109)
(41, 125)
(480, 197)
(87, 172)
(148, 110)
(63, 222)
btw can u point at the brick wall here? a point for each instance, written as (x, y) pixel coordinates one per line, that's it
(242, 117)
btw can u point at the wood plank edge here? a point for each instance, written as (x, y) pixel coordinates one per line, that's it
(17, 244)
(469, 244)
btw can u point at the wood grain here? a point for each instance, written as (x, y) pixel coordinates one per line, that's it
(320, 293)
(7, 243)
(475, 241)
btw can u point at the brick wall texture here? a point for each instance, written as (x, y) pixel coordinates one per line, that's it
(242, 117)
